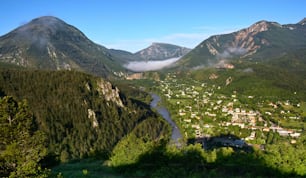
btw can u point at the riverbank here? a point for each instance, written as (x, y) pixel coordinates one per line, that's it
(176, 135)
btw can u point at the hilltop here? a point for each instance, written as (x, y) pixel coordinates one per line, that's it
(261, 41)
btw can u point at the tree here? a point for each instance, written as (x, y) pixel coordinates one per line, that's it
(22, 147)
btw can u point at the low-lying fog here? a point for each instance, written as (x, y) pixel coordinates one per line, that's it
(143, 66)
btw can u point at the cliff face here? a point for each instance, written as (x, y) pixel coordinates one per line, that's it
(109, 92)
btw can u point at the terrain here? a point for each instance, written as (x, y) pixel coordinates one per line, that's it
(80, 115)
(261, 41)
(50, 43)
(161, 51)
(66, 109)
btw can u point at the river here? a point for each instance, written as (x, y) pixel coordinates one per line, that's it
(176, 134)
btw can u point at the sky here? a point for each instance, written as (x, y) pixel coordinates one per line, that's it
(133, 25)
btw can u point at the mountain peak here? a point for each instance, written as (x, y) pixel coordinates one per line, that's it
(47, 18)
(43, 30)
(49, 43)
(302, 22)
(262, 40)
(159, 44)
(43, 23)
(161, 51)
(262, 25)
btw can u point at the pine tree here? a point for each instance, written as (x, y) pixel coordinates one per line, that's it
(22, 146)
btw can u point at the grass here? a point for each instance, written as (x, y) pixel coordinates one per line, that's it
(89, 168)
(303, 108)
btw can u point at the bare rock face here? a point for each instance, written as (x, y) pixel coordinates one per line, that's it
(93, 118)
(110, 93)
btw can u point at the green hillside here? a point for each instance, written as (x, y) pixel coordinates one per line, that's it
(81, 115)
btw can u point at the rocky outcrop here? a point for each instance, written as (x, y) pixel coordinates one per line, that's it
(93, 118)
(110, 93)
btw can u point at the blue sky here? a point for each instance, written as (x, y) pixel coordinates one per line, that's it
(134, 24)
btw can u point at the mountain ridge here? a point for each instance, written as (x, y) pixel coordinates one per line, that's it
(49, 43)
(259, 41)
(161, 51)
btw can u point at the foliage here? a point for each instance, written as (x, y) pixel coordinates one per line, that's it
(286, 157)
(89, 167)
(256, 79)
(130, 148)
(193, 161)
(22, 146)
(60, 102)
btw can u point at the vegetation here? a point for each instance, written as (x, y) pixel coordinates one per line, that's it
(61, 103)
(130, 140)
(22, 146)
(246, 120)
(161, 160)
(251, 86)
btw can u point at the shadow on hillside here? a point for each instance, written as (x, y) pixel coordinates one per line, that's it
(229, 140)
(194, 161)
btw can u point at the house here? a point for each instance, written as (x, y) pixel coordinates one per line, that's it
(295, 134)
(196, 126)
(224, 110)
(293, 141)
(268, 113)
(187, 120)
(241, 125)
(283, 132)
(182, 114)
(237, 110)
(252, 136)
(207, 126)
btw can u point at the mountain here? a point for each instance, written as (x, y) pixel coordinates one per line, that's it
(50, 43)
(123, 56)
(260, 41)
(161, 51)
(80, 114)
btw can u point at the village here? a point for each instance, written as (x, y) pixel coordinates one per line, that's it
(202, 112)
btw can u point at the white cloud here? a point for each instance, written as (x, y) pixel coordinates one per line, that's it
(142, 66)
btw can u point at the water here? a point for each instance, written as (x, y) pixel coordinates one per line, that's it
(176, 134)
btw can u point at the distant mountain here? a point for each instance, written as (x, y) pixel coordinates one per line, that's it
(161, 51)
(123, 56)
(262, 40)
(50, 43)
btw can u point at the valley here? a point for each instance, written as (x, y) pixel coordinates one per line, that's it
(176, 135)
(202, 110)
(234, 106)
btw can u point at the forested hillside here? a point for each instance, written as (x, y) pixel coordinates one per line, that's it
(81, 115)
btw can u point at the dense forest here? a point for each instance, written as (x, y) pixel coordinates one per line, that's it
(80, 115)
(22, 146)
